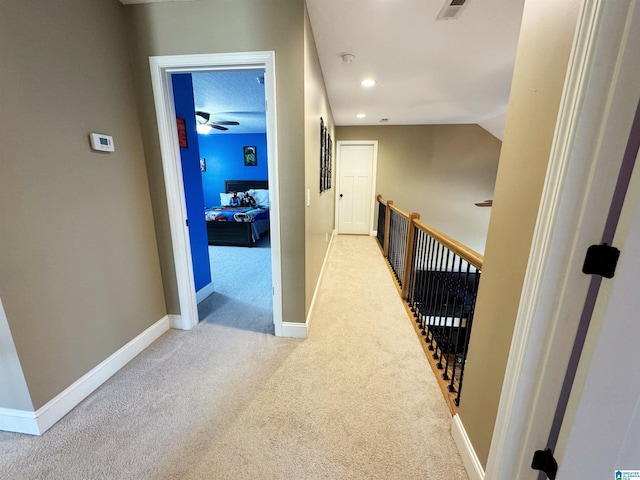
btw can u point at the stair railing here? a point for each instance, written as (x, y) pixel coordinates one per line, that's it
(439, 279)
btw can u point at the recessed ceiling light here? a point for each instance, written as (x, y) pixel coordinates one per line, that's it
(361, 115)
(368, 82)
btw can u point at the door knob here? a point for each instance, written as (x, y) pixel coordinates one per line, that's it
(340, 195)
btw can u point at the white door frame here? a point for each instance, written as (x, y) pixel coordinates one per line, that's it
(161, 69)
(598, 103)
(374, 170)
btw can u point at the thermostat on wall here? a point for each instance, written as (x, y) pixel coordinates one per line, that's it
(101, 142)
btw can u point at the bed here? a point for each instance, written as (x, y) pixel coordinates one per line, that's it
(233, 225)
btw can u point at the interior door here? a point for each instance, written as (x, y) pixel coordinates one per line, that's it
(355, 187)
(603, 430)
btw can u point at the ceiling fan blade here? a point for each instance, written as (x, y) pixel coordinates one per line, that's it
(218, 127)
(204, 115)
(224, 123)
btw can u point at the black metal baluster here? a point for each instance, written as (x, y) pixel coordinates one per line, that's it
(393, 240)
(420, 306)
(402, 249)
(415, 275)
(454, 299)
(430, 291)
(436, 302)
(445, 295)
(414, 258)
(382, 210)
(472, 307)
(463, 287)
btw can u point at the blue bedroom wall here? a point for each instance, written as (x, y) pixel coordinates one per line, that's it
(183, 99)
(225, 161)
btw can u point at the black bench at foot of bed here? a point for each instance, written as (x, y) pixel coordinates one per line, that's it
(230, 234)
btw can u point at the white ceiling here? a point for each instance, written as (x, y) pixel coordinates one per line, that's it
(428, 71)
(234, 95)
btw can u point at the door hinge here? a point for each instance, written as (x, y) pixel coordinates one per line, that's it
(186, 222)
(543, 460)
(601, 260)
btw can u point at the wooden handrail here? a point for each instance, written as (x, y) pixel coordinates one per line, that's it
(471, 256)
(441, 300)
(399, 211)
(474, 258)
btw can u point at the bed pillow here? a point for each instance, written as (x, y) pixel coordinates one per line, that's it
(261, 197)
(225, 198)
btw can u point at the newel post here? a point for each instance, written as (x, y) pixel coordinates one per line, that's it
(387, 226)
(408, 255)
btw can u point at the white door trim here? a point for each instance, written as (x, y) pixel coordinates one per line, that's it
(595, 116)
(374, 171)
(161, 69)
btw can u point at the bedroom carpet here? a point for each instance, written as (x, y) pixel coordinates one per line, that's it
(241, 278)
(355, 400)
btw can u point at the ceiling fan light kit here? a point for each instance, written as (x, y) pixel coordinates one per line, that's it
(203, 128)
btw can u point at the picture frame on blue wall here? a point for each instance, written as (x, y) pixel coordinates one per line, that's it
(250, 156)
(182, 132)
(203, 164)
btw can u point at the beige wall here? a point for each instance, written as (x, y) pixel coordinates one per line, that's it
(541, 64)
(319, 215)
(439, 171)
(80, 272)
(218, 26)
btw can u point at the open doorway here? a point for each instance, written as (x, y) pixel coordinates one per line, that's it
(162, 69)
(223, 153)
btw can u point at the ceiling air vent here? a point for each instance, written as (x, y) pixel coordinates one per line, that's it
(452, 9)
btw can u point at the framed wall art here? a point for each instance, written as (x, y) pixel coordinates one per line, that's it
(250, 157)
(326, 149)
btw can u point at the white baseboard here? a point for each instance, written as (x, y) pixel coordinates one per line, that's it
(20, 421)
(469, 458)
(315, 292)
(204, 292)
(38, 422)
(178, 322)
(294, 330)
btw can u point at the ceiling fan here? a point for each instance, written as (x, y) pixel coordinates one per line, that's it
(204, 119)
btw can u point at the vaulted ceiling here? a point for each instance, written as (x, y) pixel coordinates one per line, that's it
(427, 71)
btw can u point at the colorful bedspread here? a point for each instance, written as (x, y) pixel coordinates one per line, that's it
(235, 214)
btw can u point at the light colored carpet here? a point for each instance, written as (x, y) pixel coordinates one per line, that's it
(356, 400)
